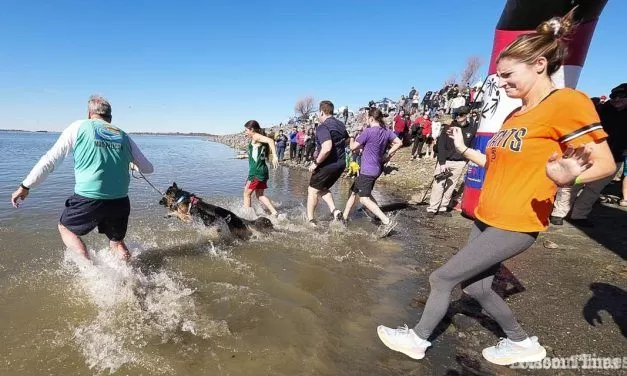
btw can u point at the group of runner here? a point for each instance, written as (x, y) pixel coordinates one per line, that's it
(377, 143)
(554, 139)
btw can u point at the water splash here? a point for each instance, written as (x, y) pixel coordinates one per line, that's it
(134, 310)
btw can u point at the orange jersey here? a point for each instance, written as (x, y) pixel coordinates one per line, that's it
(516, 194)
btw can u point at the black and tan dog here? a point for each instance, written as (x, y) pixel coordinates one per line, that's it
(186, 205)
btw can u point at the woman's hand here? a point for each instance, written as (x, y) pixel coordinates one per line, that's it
(563, 171)
(455, 133)
(275, 161)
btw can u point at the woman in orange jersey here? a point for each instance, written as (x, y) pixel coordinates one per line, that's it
(519, 187)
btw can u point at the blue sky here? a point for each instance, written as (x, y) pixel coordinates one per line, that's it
(211, 66)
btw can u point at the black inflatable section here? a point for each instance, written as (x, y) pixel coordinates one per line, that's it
(528, 14)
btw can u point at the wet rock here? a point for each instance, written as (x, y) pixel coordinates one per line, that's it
(550, 245)
(463, 322)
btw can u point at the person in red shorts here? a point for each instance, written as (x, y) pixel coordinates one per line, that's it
(258, 151)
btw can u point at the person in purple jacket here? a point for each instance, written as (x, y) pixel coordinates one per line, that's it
(373, 141)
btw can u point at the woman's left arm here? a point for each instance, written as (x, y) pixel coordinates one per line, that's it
(602, 161)
(585, 164)
(267, 140)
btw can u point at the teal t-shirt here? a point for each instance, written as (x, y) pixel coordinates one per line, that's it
(102, 153)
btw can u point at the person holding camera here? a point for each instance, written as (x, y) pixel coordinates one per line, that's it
(450, 164)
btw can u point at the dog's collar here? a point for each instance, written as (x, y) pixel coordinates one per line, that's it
(193, 200)
(181, 199)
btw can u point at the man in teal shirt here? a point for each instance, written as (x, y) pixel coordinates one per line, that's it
(103, 154)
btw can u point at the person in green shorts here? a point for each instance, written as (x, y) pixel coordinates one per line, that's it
(257, 181)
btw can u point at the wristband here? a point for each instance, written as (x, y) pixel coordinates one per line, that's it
(24, 187)
(464, 152)
(578, 180)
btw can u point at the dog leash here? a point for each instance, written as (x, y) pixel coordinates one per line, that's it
(147, 181)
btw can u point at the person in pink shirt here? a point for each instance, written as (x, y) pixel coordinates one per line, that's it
(300, 144)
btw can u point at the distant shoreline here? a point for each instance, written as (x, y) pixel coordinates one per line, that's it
(192, 134)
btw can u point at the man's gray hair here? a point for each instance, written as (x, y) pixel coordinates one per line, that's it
(97, 105)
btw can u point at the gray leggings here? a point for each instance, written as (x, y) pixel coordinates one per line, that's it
(474, 267)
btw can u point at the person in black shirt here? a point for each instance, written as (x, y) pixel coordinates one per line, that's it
(613, 115)
(328, 166)
(450, 164)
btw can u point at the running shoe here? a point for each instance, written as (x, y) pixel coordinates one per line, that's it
(507, 352)
(404, 340)
(385, 229)
(557, 221)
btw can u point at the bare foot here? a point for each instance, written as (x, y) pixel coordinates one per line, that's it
(120, 247)
(125, 255)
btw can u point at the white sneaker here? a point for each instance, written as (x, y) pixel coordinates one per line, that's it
(507, 352)
(337, 215)
(403, 340)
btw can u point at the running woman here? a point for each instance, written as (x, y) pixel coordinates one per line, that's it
(257, 168)
(373, 141)
(519, 187)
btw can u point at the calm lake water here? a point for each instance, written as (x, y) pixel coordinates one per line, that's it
(295, 302)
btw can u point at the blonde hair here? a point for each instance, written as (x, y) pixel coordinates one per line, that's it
(547, 41)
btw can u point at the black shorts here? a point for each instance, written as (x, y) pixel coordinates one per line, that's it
(363, 185)
(323, 178)
(82, 214)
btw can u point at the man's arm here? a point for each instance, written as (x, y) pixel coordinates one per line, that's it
(54, 156)
(139, 160)
(47, 163)
(325, 150)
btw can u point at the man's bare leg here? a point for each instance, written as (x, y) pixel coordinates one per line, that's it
(374, 208)
(73, 241)
(328, 198)
(312, 201)
(352, 200)
(120, 247)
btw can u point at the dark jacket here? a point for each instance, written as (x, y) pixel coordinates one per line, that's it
(446, 146)
(613, 116)
(281, 141)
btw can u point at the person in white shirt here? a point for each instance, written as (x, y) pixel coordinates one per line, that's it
(436, 128)
(103, 155)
